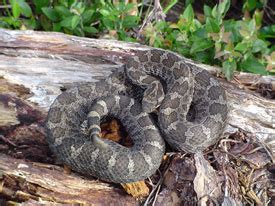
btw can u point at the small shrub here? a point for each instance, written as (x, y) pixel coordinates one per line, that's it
(241, 45)
(71, 17)
(233, 44)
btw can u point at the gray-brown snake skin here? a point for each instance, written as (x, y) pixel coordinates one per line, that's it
(192, 115)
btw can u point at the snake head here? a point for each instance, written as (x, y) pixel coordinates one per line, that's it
(148, 106)
(152, 99)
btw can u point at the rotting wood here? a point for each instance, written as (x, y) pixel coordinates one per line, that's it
(36, 65)
(25, 181)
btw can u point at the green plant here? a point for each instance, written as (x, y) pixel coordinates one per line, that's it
(232, 44)
(251, 5)
(70, 16)
(12, 18)
(116, 18)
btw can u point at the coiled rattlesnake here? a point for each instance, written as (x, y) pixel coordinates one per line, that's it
(192, 115)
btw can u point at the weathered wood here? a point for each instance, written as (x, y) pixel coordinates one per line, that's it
(50, 184)
(35, 65)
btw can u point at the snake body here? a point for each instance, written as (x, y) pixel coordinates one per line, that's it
(192, 115)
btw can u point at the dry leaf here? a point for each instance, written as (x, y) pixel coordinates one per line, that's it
(206, 183)
(136, 189)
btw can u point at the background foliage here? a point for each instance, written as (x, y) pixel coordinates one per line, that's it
(209, 37)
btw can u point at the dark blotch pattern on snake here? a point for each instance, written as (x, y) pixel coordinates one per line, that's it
(192, 115)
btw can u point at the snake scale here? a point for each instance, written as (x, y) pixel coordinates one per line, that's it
(192, 111)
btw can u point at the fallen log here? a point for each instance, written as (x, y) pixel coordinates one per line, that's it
(36, 66)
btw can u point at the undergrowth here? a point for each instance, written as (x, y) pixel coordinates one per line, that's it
(234, 44)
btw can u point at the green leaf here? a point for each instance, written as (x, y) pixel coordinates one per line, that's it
(244, 30)
(259, 46)
(104, 12)
(201, 45)
(170, 5)
(50, 13)
(122, 35)
(183, 50)
(9, 22)
(215, 11)
(251, 64)
(77, 8)
(199, 34)
(39, 4)
(212, 26)
(15, 8)
(120, 6)
(30, 23)
(75, 21)
(233, 27)
(62, 11)
(197, 24)
(79, 32)
(258, 16)
(70, 22)
(56, 27)
(108, 23)
(250, 4)
(87, 16)
(205, 57)
(188, 13)
(268, 32)
(130, 21)
(20, 7)
(4, 24)
(128, 7)
(228, 68)
(252, 25)
(161, 25)
(45, 23)
(242, 47)
(223, 8)
(207, 10)
(187, 2)
(67, 22)
(25, 8)
(90, 29)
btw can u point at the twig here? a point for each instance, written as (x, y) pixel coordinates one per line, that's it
(6, 140)
(153, 190)
(156, 187)
(267, 9)
(266, 148)
(5, 7)
(155, 198)
(156, 14)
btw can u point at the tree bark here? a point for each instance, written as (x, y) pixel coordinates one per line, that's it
(35, 66)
